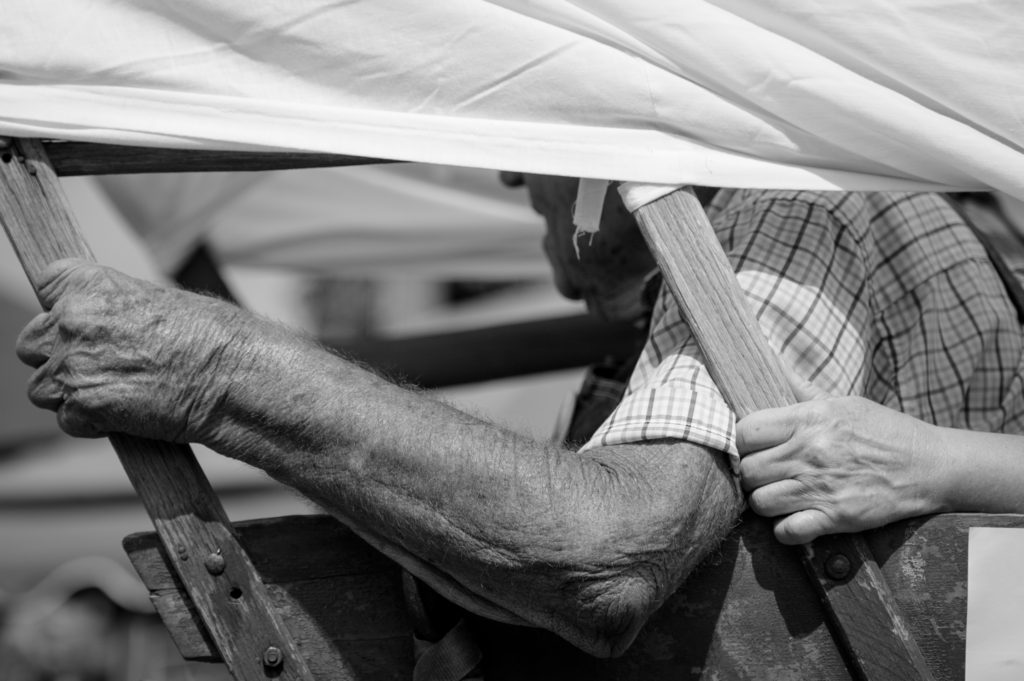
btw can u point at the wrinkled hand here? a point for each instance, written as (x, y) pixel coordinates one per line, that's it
(117, 354)
(829, 465)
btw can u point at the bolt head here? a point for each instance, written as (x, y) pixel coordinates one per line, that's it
(214, 563)
(273, 657)
(838, 566)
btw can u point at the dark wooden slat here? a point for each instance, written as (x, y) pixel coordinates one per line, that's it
(188, 517)
(342, 599)
(867, 622)
(84, 158)
(433, 361)
(748, 613)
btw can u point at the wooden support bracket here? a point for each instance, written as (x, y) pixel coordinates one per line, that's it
(865, 618)
(192, 525)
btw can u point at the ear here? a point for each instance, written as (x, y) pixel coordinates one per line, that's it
(510, 179)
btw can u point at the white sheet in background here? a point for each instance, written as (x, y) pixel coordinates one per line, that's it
(377, 221)
(850, 93)
(995, 604)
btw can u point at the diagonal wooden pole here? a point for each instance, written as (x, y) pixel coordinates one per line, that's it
(195, 531)
(870, 630)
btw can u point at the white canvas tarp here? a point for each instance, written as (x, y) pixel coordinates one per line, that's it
(849, 93)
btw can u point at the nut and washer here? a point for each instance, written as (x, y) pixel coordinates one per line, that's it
(273, 657)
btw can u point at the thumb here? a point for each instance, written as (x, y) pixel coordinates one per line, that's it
(803, 390)
(803, 526)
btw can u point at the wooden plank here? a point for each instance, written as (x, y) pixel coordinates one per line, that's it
(342, 599)
(187, 515)
(704, 285)
(84, 158)
(437, 360)
(872, 632)
(747, 613)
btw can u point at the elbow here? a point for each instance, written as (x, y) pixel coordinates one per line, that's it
(613, 611)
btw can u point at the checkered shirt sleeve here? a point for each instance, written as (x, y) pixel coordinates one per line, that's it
(886, 296)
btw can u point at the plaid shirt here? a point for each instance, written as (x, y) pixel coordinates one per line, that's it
(888, 296)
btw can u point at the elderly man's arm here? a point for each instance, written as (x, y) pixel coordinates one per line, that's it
(584, 544)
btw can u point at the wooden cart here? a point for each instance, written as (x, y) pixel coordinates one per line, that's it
(303, 598)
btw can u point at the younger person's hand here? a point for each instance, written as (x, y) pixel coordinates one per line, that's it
(834, 464)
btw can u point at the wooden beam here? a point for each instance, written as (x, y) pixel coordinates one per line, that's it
(748, 613)
(188, 517)
(84, 158)
(865, 618)
(342, 599)
(704, 285)
(460, 357)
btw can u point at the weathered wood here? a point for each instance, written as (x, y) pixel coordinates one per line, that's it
(868, 622)
(188, 517)
(747, 613)
(341, 598)
(874, 635)
(85, 158)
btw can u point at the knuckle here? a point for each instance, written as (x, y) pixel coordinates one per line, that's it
(76, 421)
(785, 533)
(759, 501)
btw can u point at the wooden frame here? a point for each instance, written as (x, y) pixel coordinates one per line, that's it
(224, 598)
(747, 614)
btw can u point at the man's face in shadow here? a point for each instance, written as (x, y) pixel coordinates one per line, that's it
(611, 267)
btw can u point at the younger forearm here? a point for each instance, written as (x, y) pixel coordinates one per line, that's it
(977, 472)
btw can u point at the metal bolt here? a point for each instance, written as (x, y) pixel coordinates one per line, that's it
(838, 566)
(182, 551)
(273, 657)
(214, 563)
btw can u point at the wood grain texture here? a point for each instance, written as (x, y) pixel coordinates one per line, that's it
(84, 158)
(704, 285)
(748, 613)
(873, 634)
(185, 511)
(342, 599)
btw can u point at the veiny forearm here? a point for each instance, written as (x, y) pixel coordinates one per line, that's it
(586, 545)
(523, 530)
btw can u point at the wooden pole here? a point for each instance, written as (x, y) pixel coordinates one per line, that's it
(193, 528)
(85, 158)
(866, 623)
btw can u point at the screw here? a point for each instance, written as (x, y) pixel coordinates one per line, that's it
(838, 566)
(273, 657)
(182, 551)
(214, 563)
